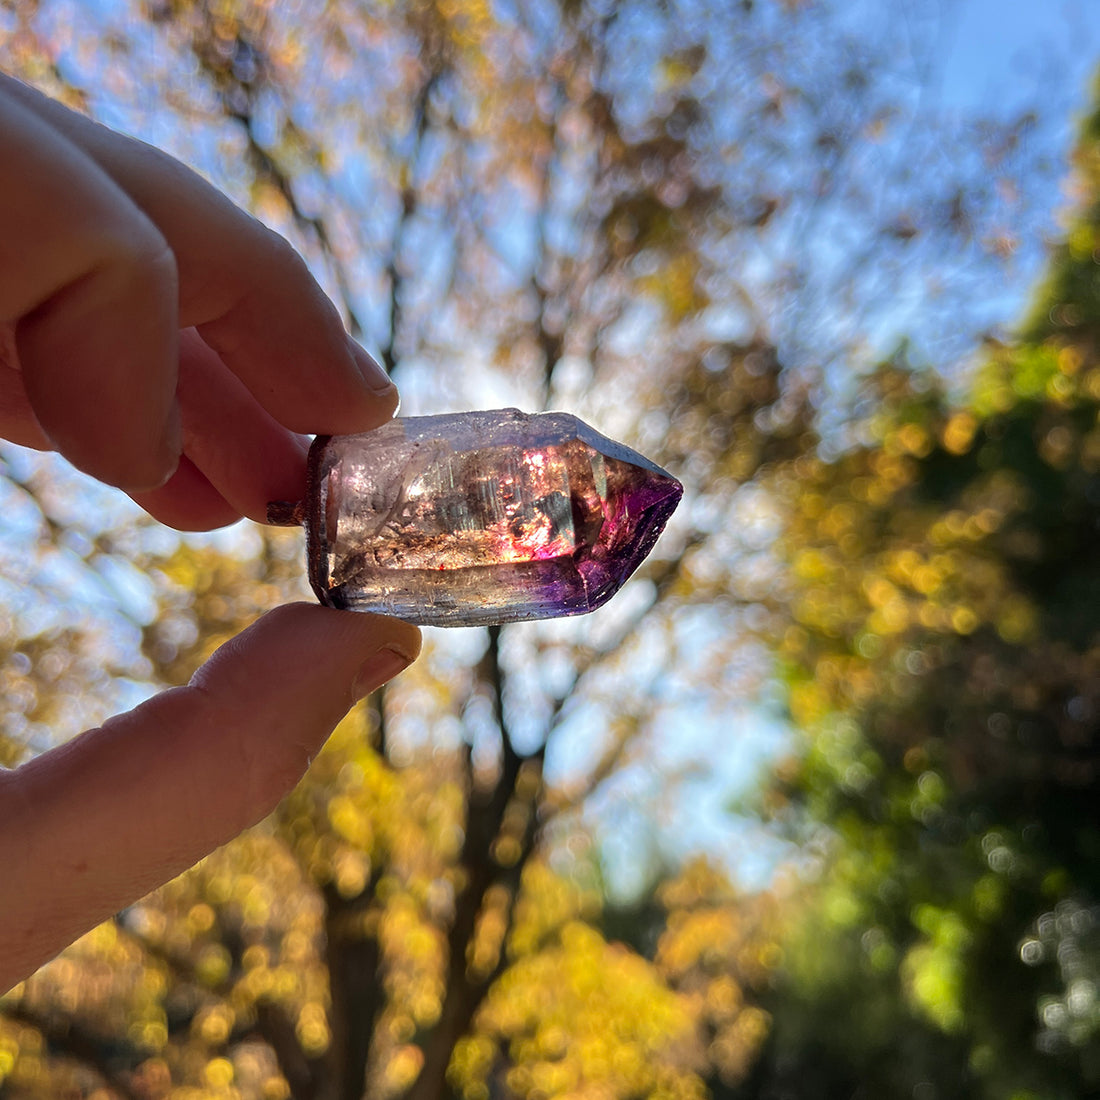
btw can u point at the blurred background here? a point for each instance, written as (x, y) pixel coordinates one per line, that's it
(809, 810)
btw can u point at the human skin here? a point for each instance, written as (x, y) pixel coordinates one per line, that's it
(165, 342)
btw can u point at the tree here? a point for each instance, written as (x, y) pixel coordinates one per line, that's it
(557, 203)
(942, 647)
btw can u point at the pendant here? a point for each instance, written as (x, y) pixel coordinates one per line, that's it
(475, 519)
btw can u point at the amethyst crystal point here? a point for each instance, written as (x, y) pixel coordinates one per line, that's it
(479, 518)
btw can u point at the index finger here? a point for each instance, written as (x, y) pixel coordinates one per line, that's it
(88, 286)
(249, 294)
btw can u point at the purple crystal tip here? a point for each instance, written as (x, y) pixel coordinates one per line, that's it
(480, 518)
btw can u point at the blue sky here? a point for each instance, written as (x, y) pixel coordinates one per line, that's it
(994, 50)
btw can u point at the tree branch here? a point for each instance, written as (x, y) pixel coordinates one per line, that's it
(354, 961)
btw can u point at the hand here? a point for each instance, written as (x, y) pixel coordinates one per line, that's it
(165, 342)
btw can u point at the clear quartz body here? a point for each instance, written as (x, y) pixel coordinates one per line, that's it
(480, 518)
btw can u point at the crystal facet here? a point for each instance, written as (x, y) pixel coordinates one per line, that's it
(478, 518)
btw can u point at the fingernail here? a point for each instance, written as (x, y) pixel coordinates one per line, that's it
(168, 450)
(171, 448)
(375, 378)
(377, 670)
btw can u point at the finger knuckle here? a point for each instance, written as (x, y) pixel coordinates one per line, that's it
(140, 259)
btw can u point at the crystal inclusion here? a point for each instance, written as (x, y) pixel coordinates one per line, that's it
(480, 518)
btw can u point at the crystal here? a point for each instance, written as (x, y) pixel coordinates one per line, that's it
(478, 518)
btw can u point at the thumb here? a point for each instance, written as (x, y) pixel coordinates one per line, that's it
(95, 824)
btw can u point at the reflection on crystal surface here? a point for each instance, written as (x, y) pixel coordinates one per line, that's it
(479, 518)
